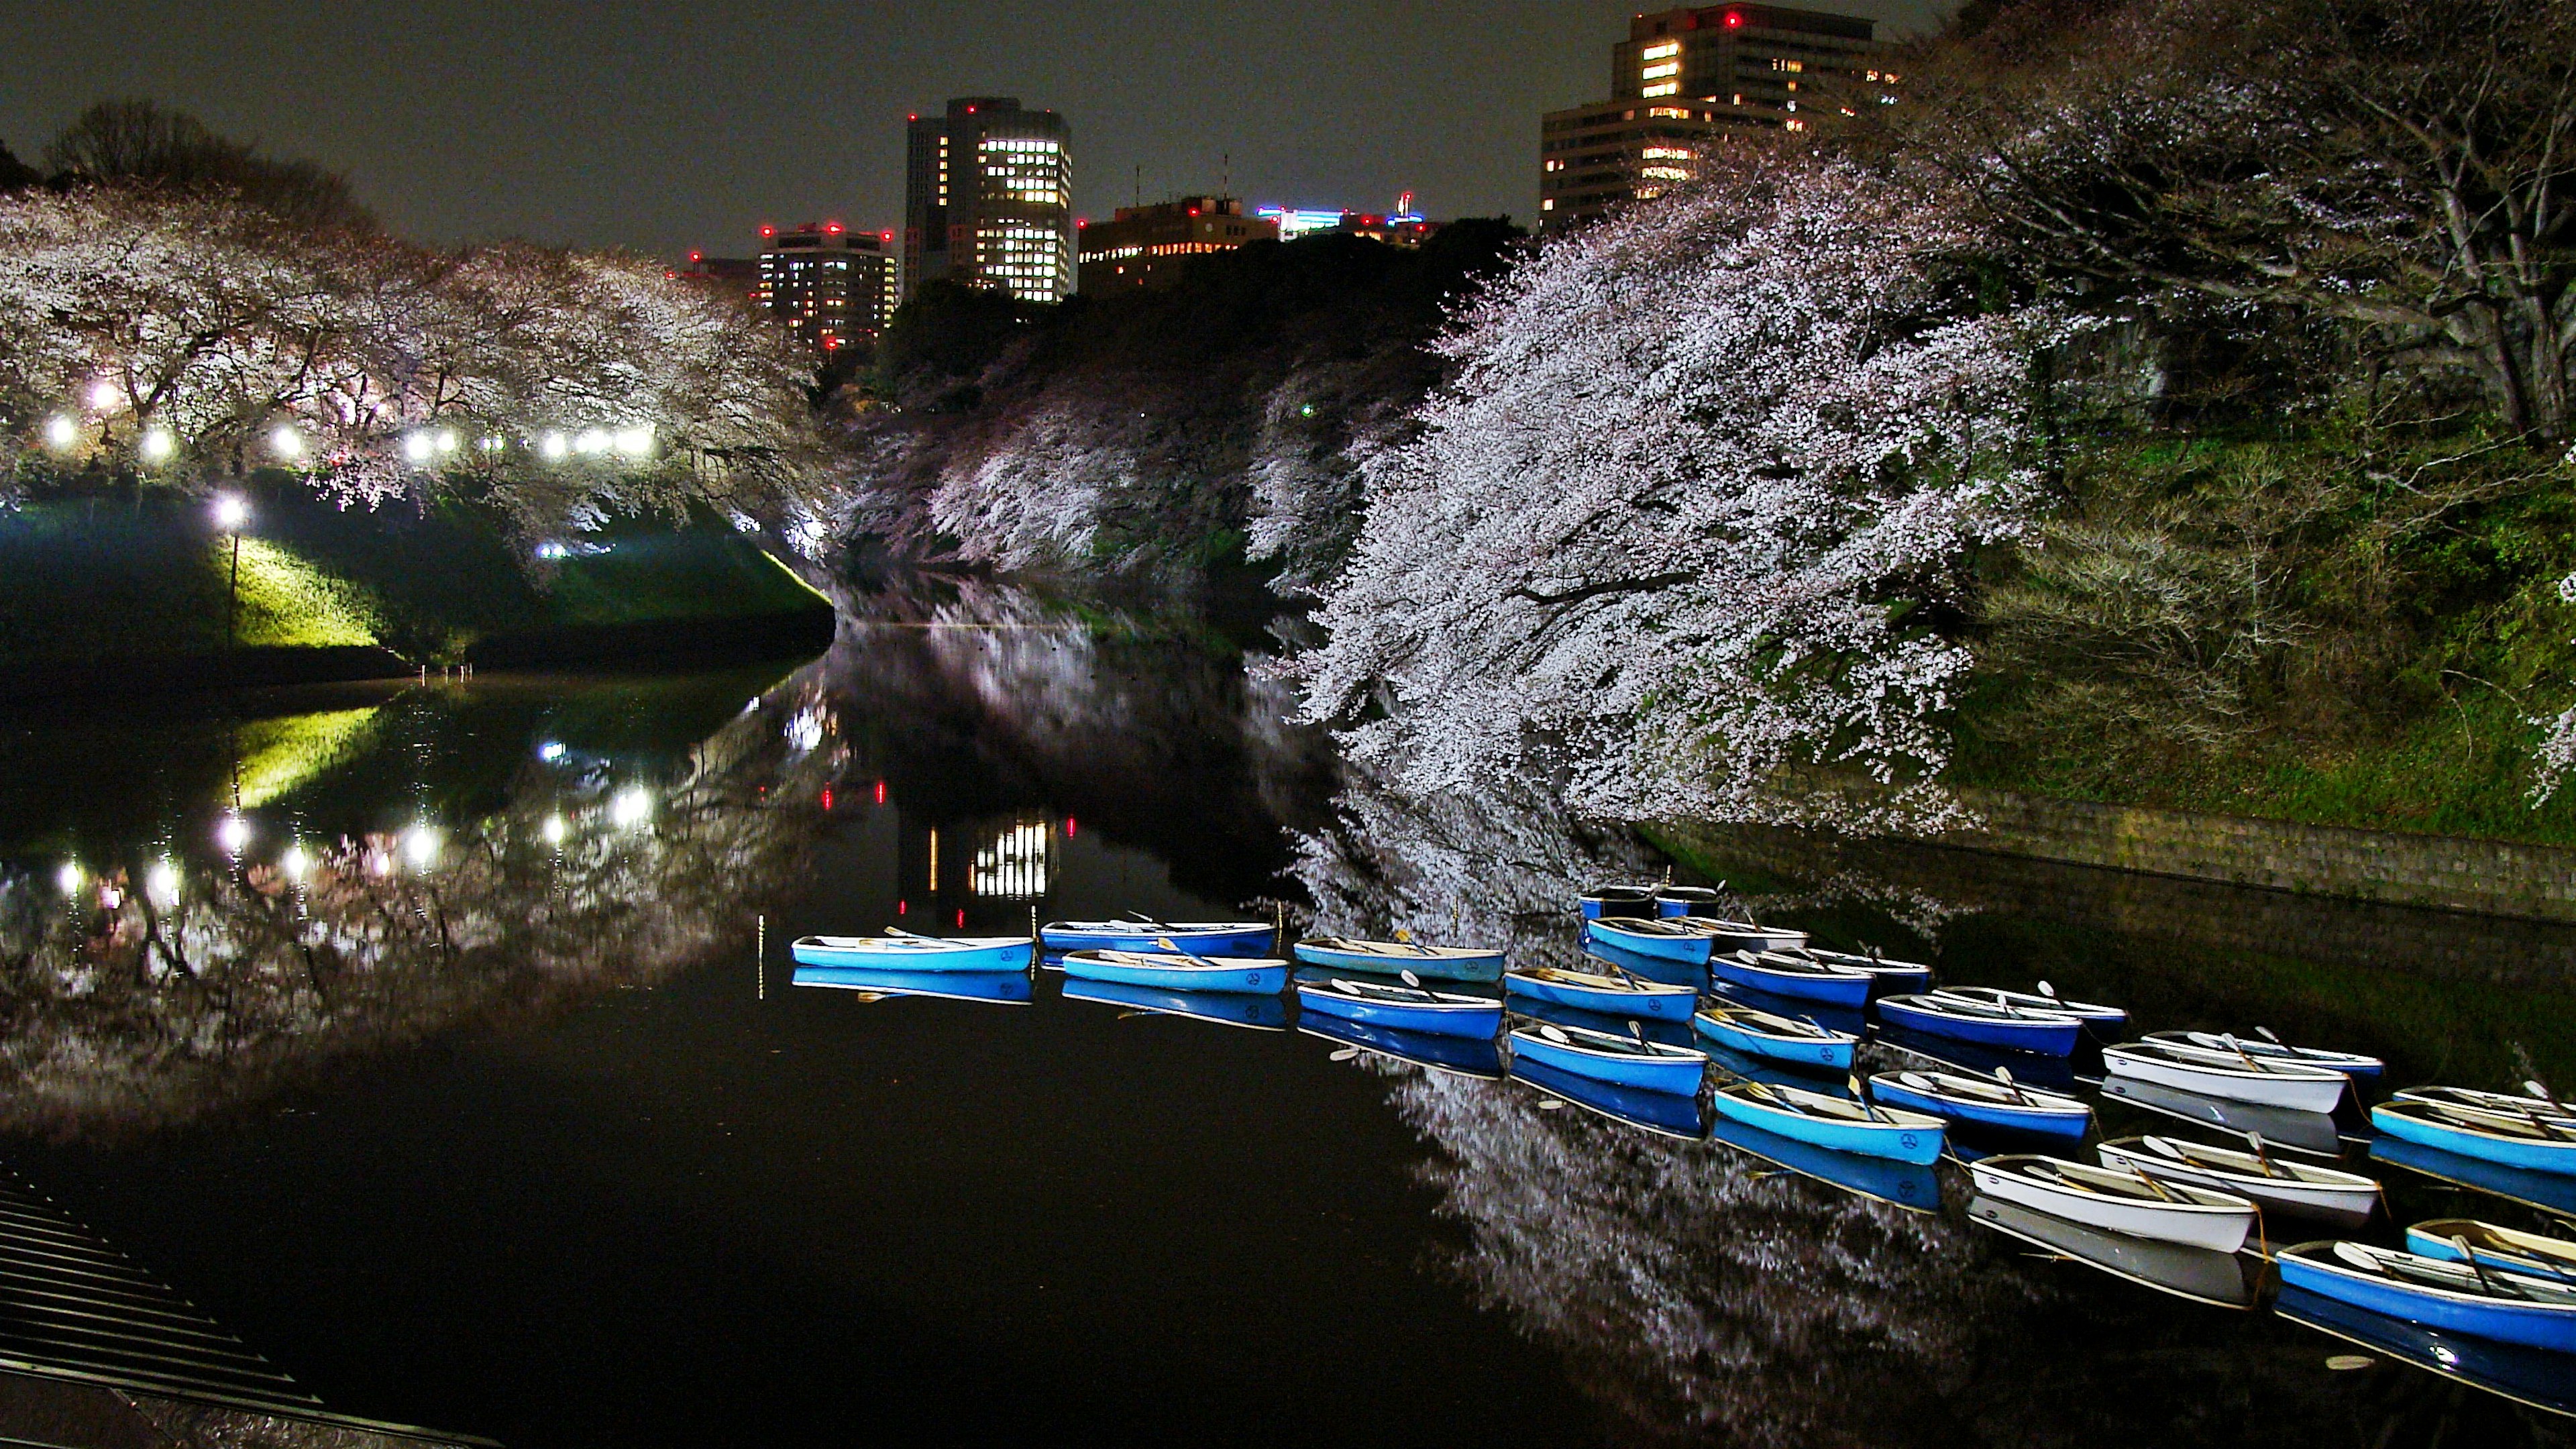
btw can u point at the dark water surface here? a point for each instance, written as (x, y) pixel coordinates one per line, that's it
(462, 1091)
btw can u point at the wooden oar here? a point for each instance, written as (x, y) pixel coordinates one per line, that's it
(1142, 919)
(1404, 937)
(2494, 1289)
(2243, 1055)
(2004, 1075)
(2534, 1087)
(1869, 1110)
(1166, 943)
(2152, 1185)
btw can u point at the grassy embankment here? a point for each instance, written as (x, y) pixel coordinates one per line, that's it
(2324, 626)
(109, 582)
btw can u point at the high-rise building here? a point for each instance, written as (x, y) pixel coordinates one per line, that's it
(1685, 76)
(1143, 245)
(988, 199)
(830, 285)
(1402, 227)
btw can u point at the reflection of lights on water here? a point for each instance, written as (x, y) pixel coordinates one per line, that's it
(552, 830)
(805, 730)
(232, 833)
(70, 877)
(420, 847)
(631, 806)
(296, 864)
(2445, 1355)
(162, 881)
(550, 751)
(1013, 866)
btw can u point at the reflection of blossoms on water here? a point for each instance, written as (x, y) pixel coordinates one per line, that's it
(1698, 1291)
(1457, 864)
(129, 1008)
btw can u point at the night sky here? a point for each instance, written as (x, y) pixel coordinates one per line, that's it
(665, 127)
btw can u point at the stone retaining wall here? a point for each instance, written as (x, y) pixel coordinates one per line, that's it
(2486, 876)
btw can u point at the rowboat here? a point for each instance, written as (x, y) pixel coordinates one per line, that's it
(1827, 1121)
(2493, 1303)
(1616, 900)
(1000, 988)
(2346, 1199)
(1179, 973)
(2520, 1252)
(2351, 1064)
(1612, 993)
(1984, 1102)
(914, 953)
(2313, 1133)
(1656, 1028)
(1432, 963)
(2014, 1028)
(1225, 1008)
(1607, 1057)
(1780, 1038)
(1199, 938)
(1794, 976)
(2265, 1081)
(1733, 936)
(2100, 1018)
(2549, 1192)
(1682, 900)
(2221, 1280)
(1456, 1055)
(1911, 1185)
(1672, 940)
(2535, 1143)
(2122, 1202)
(2533, 1376)
(1404, 1008)
(2507, 1103)
(1653, 968)
(1885, 975)
(1666, 1114)
(2054, 1074)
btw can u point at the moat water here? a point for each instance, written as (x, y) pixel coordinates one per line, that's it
(441, 1042)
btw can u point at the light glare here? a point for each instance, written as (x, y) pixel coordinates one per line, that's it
(416, 447)
(420, 847)
(102, 394)
(632, 806)
(286, 443)
(70, 877)
(552, 830)
(551, 446)
(158, 445)
(295, 862)
(162, 881)
(231, 512)
(232, 833)
(61, 433)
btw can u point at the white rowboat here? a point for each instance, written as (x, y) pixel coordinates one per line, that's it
(2346, 1199)
(2122, 1202)
(2228, 1075)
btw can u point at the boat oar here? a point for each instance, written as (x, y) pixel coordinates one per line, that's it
(2263, 1157)
(1869, 1111)
(2004, 1075)
(2238, 1047)
(1142, 919)
(2152, 1185)
(1404, 937)
(1166, 943)
(2535, 1088)
(2494, 1288)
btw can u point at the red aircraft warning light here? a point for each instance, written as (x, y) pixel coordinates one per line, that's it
(1734, 18)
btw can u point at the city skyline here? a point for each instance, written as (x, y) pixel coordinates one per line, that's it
(670, 129)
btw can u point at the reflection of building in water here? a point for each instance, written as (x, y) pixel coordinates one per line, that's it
(960, 869)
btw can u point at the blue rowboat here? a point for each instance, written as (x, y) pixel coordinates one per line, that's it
(1457, 1055)
(1226, 1008)
(2351, 1064)
(1611, 993)
(1849, 1020)
(1984, 1102)
(1616, 900)
(1906, 1184)
(1179, 973)
(2046, 1033)
(1607, 1057)
(1431, 963)
(1002, 988)
(2108, 1020)
(2536, 1144)
(2503, 1102)
(1652, 968)
(908, 952)
(1401, 1007)
(2491, 1303)
(1660, 1112)
(2550, 1192)
(2494, 1247)
(1780, 1038)
(1795, 976)
(1198, 938)
(1886, 977)
(1679, 900)
(1674, 940)
(1837, 1123)
(2525, 1375)
(1670, 1033)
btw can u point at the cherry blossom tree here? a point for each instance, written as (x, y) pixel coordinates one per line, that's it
(182, 334)
(1670, 540)
(2558, 748)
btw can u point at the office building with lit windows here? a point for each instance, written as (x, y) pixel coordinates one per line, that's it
(1683, 77)
(829, 285)
(1142, 246)
(988, 199)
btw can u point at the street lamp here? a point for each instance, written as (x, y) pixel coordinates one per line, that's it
(230, 514)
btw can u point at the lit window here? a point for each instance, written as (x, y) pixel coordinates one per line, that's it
(1661, 49)
(1662, 68)
(1662, 88)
